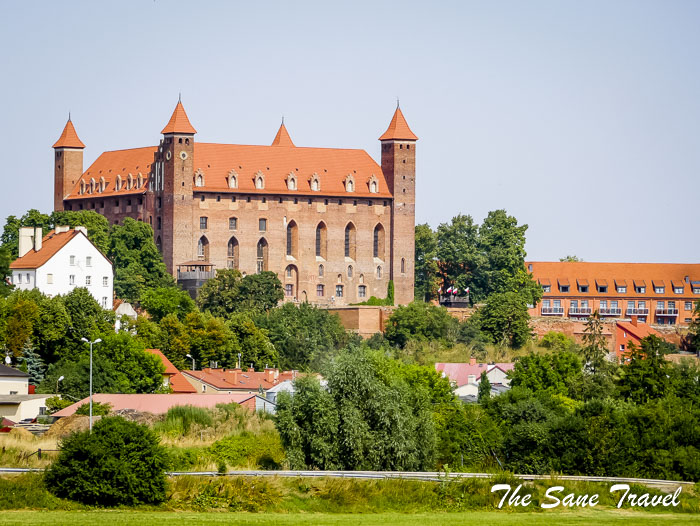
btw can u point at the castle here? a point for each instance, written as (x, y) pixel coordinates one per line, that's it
(333, 224)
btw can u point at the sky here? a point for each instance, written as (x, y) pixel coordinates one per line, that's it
(580, 118)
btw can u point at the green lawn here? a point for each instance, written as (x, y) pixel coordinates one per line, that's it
(113, 518)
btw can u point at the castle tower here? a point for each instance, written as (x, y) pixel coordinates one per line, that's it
(174, 195)
(282, 138)
(68, 164)
(399, 167)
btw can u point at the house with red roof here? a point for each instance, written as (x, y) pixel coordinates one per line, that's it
(209, 380)
(633, 332)
(60, 261)
(465, 377)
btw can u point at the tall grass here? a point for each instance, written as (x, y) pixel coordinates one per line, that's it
(181, 419)
(20, 451)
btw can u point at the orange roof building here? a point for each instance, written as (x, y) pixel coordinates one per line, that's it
(656, 293)
(334, 224)
(210, 380)
(631, 332)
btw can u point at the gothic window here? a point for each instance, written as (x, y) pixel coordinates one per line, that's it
(262, 253)
(350, 271)
(362, 291)
(232, 179)
(315, 183)
(320, 271)
(102, 184)
(260, 181)
(291, 182)
(292, 239)
(319, 290)
(349, 183)
(403, 265)
(159, 244)
(139, 181)
(232, 253)
(199, 180)
(92, 185)
(233, 223)
(350, 241)
(321, 236)
(379, 272)
(203, 249)
(82, 187)
(118, 185)
(373, 187)
(378, 242)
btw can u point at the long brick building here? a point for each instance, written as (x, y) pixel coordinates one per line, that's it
(332, 223)
(654, 293)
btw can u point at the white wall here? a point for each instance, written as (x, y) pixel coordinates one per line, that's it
(26, 409)
(9, 384)
(497, 376)
(54, 276)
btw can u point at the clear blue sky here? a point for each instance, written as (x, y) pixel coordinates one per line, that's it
(582, 119)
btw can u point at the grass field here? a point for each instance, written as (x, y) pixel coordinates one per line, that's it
(497, 518)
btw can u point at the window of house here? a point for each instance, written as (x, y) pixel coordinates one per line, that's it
(203, 223)
(292, 239)
(563, 288)
(105, 281)
(262, 224)
(321, 240)
(49, 278)
(379, 272)
(630, 306)
(339, 291)
(659, 290)
(583, 288)
(19, 278)
(688, 305)
(546, 304)
(640, 290)
(349, 271)
(362, 291)
(320, 271)
(72, 260)
(622, 290)
(603, 289)
(88, 280)
(319, 290)
(262, 253)
(159, 221)
(350, 241)
(557, 305)
(403, 265)
(378, 242)
(104, 302)
(696, 290)
(678, 290)
(71, 279)
(672, 305)
(88, 261)
(203, 249)
(232, 223)
(546, 288)
(604, 305)
(289, 290)
(613, 304)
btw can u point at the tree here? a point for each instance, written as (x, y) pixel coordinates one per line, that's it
(10, 234)
(691, 341)
(552, 373)
(253, 342)
(211, 340)
(647, 374)
(558, 341)
(137, 262)
(420, 321)
(161, 301)
(458, 254)
(32, 364)
(96, 224)
(505, 319)
(426, 266)
(174, 340)
(303, 335)
(5, 260)
(118, 463)
(484, 393)
(390, 293)
(570, 258)
(230, 292)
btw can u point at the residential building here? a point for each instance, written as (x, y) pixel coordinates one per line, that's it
(17, 400)
(657, 293)
(210, 380)
(631, 332)
(169, 370)
(61, 261)
(335, 225)
(466, 376)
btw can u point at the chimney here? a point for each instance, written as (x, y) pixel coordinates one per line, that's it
(61, 229)
(81, 229)
(472, 361)
(38, 237)
(25, 239)
(271, 375)
(633, 320)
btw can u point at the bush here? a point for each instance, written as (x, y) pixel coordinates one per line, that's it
(179, 419)
(98, 409)
(262, 451)
(120, 462)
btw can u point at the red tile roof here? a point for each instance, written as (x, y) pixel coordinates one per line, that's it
(180, 384)
(218, 161)
(169, 367)
(460, 372)
(157, 404)
(617, 274)
(179, 123)
(398, 129)
(50, 245)
(224, 379)
(282, 138)
(69, 138)
(639, 331)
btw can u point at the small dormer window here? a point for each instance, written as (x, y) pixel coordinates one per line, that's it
(315, 183)
(373, 185)
(291, 182)
(118, 184)
(349, 183)
(129, 182)
(232, 179)
(199, 178)
(103, 185)
(139, 181)
(259, 181)
(92, 186)
(82, 187)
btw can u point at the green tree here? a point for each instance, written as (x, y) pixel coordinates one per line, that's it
(505, 319)
(647, 374)
(174, 340)
(570, 258)
(691, 341)
(5, 283)
(303, 335)
(253, 342)
(96, 224)
(484, 393)
(458, 254)
(211, 340)
(426, 267)
(137, 262)
(32, 364)
(10, 234)
(390, 293)
(230, 292)
(552, 373)
(260, 292)
(21, 314)
(161, 301)
(558, 341)
(420, 321)
(119, 463)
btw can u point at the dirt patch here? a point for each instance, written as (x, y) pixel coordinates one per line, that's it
(136, 416)
(69, 424)
(21, 433)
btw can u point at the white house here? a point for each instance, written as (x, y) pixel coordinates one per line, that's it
(465, 377)
(61, 261)
(16, 402)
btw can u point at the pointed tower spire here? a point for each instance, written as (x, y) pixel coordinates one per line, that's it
(398, 128)
(179, 123)
(69, 138)
(282, 138)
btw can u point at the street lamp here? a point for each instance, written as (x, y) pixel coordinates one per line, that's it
(192, 358)
(91, 344)
(60, 379)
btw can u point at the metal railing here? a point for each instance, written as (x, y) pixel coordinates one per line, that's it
(579, 311)
(667, 312)
(552, 311)
(195, 274)
(613, 311)
(636, 312)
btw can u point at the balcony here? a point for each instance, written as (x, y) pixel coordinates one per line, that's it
(579, 311)
(636, 312)
(552, 311)
(667, 312)
(611, 312)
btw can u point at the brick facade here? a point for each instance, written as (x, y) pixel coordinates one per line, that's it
(337, 226)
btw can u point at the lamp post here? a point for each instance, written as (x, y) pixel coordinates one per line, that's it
(192, 358)
(91, 344)
(60, 379)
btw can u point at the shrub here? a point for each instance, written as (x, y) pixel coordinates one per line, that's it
(120, 462)
(180, 418)
(263, 450)
(98, 409)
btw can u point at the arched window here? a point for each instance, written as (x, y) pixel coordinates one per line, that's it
(199, 181)
(373, 187)
(315, 183)
(291, 281)
(403, 265)
(232, 253)
(139, 181)
(159, 244)
(378, 244)
(292, 239)
(82, 187)
(118, 185)
(320, 271)
(232, 179)
(349, 271)
(102, 184)
(203, 249)
(350, 241)
(262, 255)
(349, 183)
(291, 182)
(260, 181)
(321, 237)
(129, 182)
(379, 272)
(362, 278)
(92, 185)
